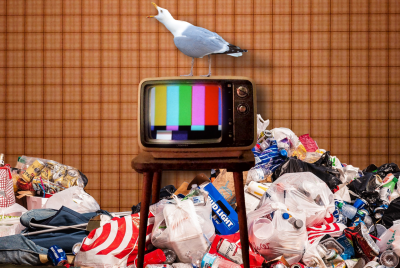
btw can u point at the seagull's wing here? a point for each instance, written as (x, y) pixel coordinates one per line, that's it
(198, 42)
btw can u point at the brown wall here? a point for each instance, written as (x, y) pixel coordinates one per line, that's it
(69, 72)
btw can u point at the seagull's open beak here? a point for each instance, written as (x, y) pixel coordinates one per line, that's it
(155, 7)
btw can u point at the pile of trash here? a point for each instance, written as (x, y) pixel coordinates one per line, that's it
(304, 209)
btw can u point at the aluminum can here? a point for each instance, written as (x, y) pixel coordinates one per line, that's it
(57, 256)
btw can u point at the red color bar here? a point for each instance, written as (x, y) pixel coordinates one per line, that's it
(211, 106)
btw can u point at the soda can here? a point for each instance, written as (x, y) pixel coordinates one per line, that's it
(360, 203)
(278, 264)
(33, 170)
(297, 265)
(76, 248)
(57, 256)
(389, 259)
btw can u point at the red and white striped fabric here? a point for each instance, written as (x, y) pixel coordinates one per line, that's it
(333, 229)
(7, 197)
(112, 245)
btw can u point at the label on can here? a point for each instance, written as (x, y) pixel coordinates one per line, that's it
(229, 250)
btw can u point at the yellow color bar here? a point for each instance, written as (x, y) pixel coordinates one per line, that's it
(160, 118)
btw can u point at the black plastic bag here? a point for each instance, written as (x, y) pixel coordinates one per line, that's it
(366, 183)
(325, 160)
(292, 165)
(371, 168)
(386, 169)
(392, 213)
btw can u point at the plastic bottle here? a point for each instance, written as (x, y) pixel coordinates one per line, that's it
(213, 261)
(257, 174)
(350, 211)
(388, 188)
(196, 196)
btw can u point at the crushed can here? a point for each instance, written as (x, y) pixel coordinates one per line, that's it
(57, 256)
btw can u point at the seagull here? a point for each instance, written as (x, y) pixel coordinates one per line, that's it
(195, 42)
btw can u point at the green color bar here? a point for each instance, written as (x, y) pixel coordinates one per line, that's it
(185, 105)
(161, 106)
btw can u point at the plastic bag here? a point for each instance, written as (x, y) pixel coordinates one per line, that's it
(74, 198)
(261, 124)
(10, 220)
(390, 239)
(327, 174)
(302, 192)
(44, 169)
(282, 133)
(185, 232)
(160, 233)
(311, 256)
(273, 236)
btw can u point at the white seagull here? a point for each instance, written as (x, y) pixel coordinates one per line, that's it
(195, 42)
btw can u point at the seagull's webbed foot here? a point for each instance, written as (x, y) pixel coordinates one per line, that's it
(206, 75)
(191, 74)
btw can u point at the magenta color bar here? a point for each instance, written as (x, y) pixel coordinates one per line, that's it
(198, 105)
(172, 127)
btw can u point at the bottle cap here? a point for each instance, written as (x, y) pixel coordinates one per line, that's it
(285, 216)
(340, 205)
(298, 224)
(283, 152)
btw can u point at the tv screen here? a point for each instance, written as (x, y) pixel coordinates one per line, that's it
(184, 112)
(196, 116)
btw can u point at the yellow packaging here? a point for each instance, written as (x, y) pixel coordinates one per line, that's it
(46, 173)
(33, 170)
(300, 152)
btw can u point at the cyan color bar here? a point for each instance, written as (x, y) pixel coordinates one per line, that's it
(198, 105)
(173, 106)
(197, 128)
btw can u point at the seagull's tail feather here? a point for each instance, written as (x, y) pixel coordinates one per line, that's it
(234, 51)
(235, 54)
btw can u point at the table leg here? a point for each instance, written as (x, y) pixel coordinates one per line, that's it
(144, 212)
(156, 187)
(241, 209)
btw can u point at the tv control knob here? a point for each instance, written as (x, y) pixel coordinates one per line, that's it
(242, 91)
(242, 108)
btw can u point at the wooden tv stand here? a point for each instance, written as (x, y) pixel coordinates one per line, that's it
(152, 168)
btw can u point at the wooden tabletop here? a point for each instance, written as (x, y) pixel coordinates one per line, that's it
(145, 162)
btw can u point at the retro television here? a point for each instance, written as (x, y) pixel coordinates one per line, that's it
(196, 117)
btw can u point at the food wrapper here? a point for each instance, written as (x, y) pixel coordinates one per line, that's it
(33, 170)
(300, 152)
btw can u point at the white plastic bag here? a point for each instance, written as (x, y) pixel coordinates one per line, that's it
(276, 237)
(10, 220)
(311, 256)
(74, 198)
(302, 192)
(390, 239)
(281, 133)
(185, 232)
(261, 125)
(342, 194)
